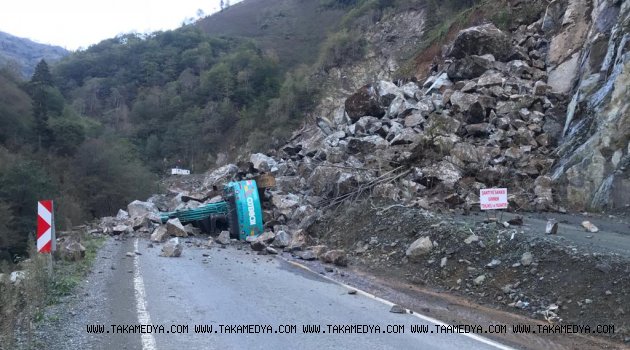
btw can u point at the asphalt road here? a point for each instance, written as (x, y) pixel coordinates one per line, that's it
(613, 235)
(232, 287)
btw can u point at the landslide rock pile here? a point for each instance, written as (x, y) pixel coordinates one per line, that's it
(486, 118)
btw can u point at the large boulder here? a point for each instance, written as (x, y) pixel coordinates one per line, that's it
(364, 102)
(120, 229)
(139, 222)
(220, 176)
(172, 248)
(469, 67)
(405, 137)
(419, 248)
(438, 83)
(175, 228)
(138, 208)
(16, 277)
(262, 162)
(285, 204)
(282, 239)
(410, 89)
(367, 125)
(366, 144)
(299, 240)
(462, 101)
(318, 250)
(387, 92)
(414, 119)
(258, 245)
(544, 194)
(490, 79)
(481, 40)
(224, 238)
(122, 215)
(159, 234)
(266, 237)
(401, 107)
(337, 257)
(443, 172)
(71, 249)
(322, 180)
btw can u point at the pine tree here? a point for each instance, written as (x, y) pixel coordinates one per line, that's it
(42, 74)
(39, 91)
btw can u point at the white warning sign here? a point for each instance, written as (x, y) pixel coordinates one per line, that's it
(493, 198)
(178, 171)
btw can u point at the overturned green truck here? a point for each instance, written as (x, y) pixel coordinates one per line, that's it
(240, 212)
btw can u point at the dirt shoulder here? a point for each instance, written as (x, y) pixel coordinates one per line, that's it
(519, 269)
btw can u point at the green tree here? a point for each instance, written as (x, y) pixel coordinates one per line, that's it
(219, 81)
(47, 100)
(42, 74)
(15, 113)
(108, 174)
(21, 186)
(8, 237)
(68, 135)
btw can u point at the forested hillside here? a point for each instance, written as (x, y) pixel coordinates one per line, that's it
(179, 96)
(47, 150)
(223, 85)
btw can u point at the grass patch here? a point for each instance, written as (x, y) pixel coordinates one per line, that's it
(22, 305)
(69, 274)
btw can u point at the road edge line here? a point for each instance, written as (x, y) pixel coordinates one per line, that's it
(389, 303)
(147, 339)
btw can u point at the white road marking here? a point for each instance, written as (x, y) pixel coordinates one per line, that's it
(420, 316)
(148, 341)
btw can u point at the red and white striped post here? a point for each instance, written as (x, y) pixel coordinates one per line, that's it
(45, 227)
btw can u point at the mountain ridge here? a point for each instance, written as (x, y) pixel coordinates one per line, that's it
(27, 53)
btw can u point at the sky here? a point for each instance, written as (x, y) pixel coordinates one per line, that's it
(74, 24)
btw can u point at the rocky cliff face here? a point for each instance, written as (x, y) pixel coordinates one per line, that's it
(589, 60)
(389, 42)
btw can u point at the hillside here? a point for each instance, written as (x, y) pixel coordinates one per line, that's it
(26, 53)
(292, 29)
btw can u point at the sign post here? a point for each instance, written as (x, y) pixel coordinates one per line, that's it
(493, 198)
(46, 242)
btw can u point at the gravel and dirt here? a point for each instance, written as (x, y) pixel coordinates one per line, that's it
(556, 279)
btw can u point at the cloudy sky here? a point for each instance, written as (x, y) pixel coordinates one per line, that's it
(80, 23)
